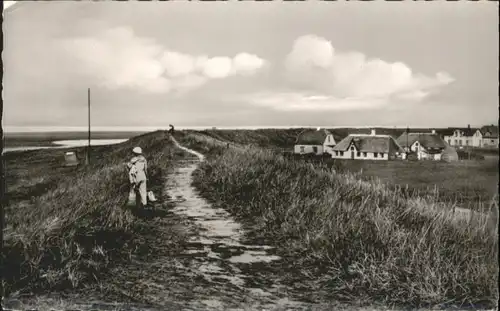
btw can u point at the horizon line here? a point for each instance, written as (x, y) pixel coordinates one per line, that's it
(31, 129)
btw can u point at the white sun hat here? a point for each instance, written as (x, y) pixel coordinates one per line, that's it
(137, 150)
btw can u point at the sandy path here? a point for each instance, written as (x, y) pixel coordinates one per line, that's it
(215, 270)
(218, 254)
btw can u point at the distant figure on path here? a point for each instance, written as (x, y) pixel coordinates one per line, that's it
(171, 130)
(138, 168)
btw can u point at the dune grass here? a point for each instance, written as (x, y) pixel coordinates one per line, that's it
(65, 226)
(468, 184)
(353, 239)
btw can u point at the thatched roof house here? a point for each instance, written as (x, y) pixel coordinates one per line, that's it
(489, 131)
(367, 147)
(432, 142)
(312, 137)
(318, 141)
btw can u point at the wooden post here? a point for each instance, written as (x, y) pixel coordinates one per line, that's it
(88, 147)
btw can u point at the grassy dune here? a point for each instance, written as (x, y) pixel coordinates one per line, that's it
(268, 138)
(348, 238)
(470, 184)
(66, 226)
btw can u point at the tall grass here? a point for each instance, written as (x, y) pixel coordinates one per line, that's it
(68, 233)
(367, 240)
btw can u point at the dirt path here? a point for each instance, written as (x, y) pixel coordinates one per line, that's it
(218, 254)
(213, 270)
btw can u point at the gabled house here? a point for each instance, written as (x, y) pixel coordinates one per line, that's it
(489, 136)
(424, 145)
(465, 137)
(367, 147)
(317, 142)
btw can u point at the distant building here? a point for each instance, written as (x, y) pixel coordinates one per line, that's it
(317, 142)
(464, 137)
(487, 136)
(367, 147)
(424, 145)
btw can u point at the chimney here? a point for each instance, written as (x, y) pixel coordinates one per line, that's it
(468, 126)
(373, 132)
(433, 131)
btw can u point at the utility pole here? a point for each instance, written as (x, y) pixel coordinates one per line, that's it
(88, 147)
(407, 147)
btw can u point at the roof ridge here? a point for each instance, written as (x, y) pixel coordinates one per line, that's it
(369, 135)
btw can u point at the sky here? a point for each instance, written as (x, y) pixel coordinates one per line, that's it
(245, 63)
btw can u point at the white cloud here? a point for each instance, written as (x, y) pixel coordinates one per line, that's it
(177, 64)
(294, 101)
(310, 51)
(247, 63)
(347, 80)
(118, 58)
(217, 67)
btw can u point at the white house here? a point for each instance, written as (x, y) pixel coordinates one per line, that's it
(317, 141)
(424, 145)
(367, 147)
(489, 136)
(465, 137)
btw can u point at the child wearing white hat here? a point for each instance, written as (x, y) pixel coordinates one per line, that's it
(138, 168)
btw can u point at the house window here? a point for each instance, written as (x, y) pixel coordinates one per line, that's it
(492, 141)
(460, 142)
(467, 142)
(315, 149)
(381, 154)
(358, 154)
(449, 141)
(336, 153)
(365, 154)
(456, 143)
(302, 148)
(375, 155)
(342, 153)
